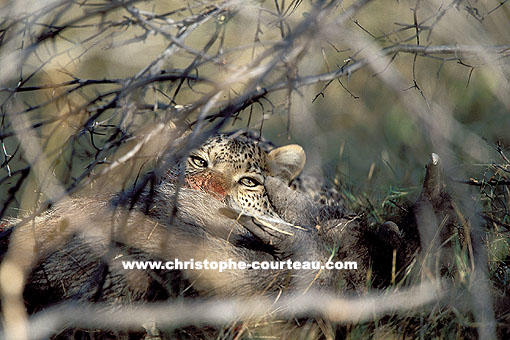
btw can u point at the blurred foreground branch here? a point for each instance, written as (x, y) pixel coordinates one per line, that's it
(226, 311)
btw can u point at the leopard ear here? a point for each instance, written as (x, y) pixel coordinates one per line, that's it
(287, 161)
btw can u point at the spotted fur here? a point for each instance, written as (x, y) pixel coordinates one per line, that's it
(234, 167)
(223, 163)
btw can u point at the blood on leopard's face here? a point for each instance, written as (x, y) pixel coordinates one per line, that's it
(211, 183)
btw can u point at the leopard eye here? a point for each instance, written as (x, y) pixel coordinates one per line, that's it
(249, 182)
(198, 161)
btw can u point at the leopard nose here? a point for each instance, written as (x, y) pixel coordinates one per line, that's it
(211, 182)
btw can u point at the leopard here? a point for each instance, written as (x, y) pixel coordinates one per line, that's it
(233, 168)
